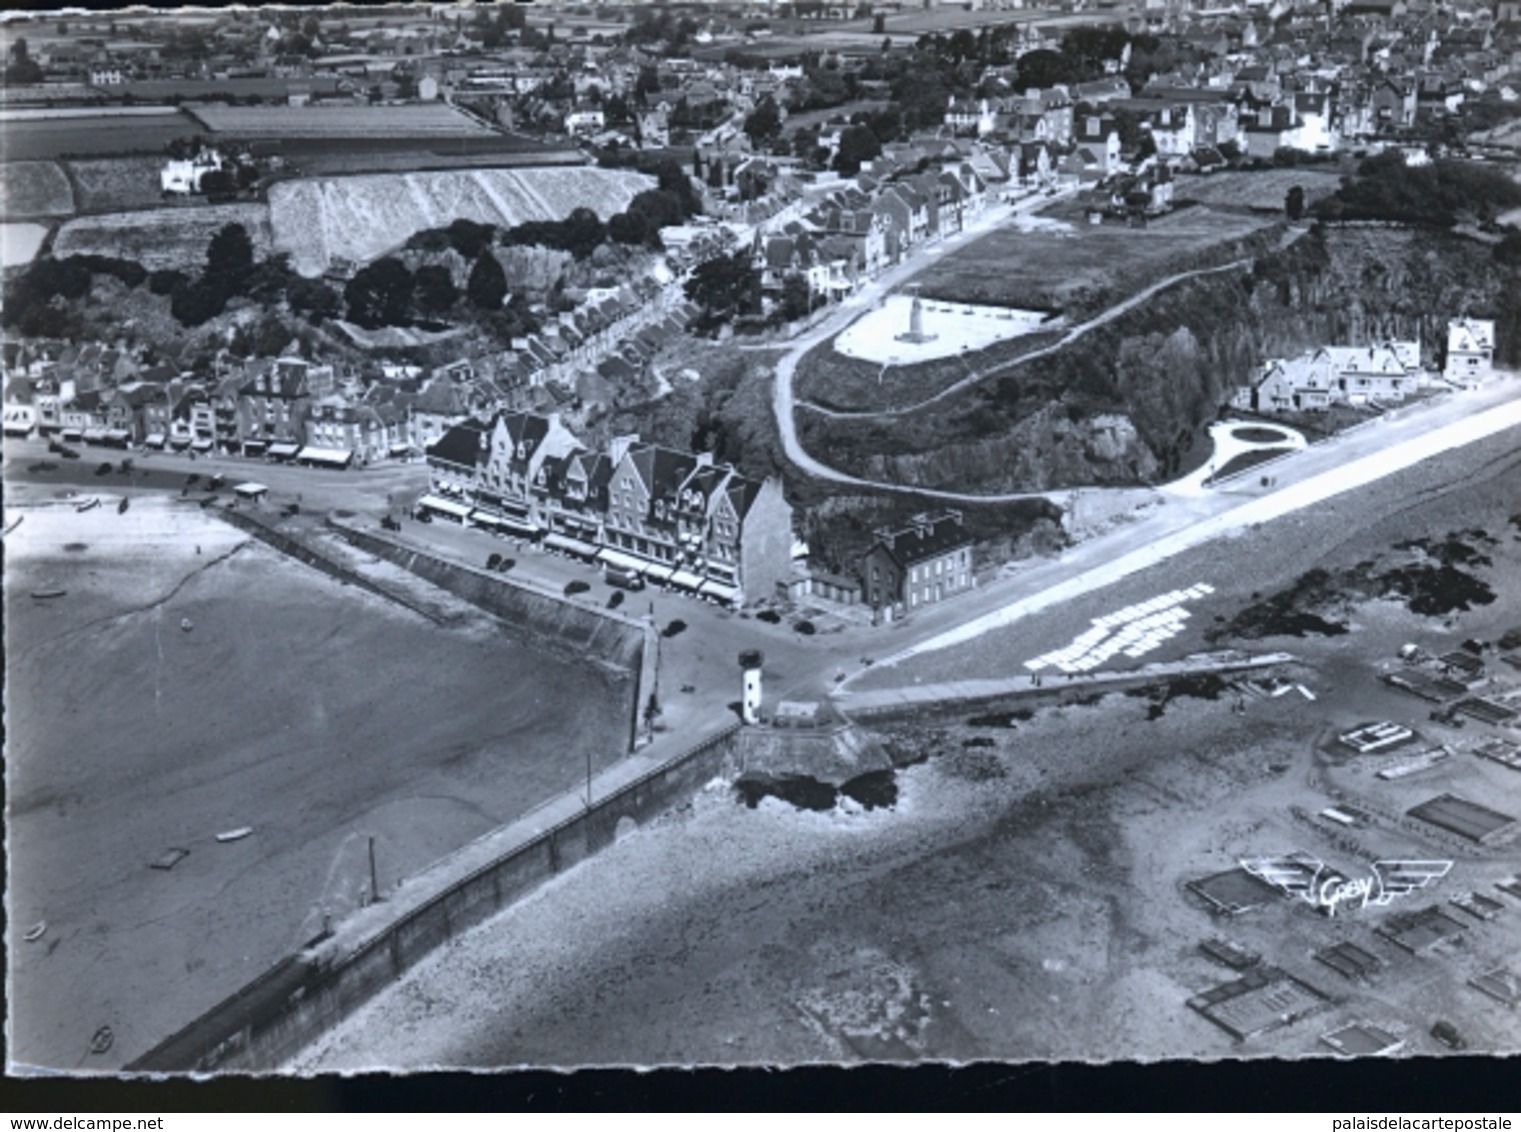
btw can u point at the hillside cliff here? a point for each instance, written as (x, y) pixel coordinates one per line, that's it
(362, 217)
(1126, 403)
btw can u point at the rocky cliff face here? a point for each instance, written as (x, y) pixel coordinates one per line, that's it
(1125, 404)
(1046, 449)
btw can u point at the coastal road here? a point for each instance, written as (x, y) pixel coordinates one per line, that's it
(1031, 923)
(366, 490)
(1187, 518)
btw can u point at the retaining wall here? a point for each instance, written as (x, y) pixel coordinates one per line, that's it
(263, 1026)
(568, 627)
(298, 550)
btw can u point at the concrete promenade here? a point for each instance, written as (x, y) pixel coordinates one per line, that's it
(884, 701)
(1309, 477)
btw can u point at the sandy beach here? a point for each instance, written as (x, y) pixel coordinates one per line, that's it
(190, 682)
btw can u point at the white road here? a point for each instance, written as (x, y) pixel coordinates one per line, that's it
(1309, 477)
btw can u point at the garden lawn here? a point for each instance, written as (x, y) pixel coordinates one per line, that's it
(1092, 266)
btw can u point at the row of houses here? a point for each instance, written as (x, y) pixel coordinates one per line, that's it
(674, 517)
(854, 232)
(1367, 375)
(288, 408)
(269, 407)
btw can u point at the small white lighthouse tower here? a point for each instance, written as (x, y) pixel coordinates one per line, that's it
(751, 661)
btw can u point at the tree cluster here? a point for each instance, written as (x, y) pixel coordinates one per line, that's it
(657, 25)
(496, 25)
(37, 302)
(1438, 194)
(724, 287)
(229, 266)
(21, 69)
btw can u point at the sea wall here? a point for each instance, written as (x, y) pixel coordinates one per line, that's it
(262, 1026)
(301, 552)
(567, 627)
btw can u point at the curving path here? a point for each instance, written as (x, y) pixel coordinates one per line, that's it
(976, 376)
(785, 404)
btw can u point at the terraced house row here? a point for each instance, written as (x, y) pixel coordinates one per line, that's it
(676, 518)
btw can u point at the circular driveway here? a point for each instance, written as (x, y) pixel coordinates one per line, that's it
(1232, 439)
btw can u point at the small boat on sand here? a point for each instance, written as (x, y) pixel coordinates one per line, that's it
(186, 624)
(87, 505)
(121, 508)
(36, 931)
(44, 595)
(235, 834)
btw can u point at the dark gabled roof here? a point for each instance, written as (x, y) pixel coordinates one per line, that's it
(662, 469)
(779, 252)
(525, 430)
(617, 369)
(550, 477)
(929, 537)
(705, 478)
(597, 467)
(462, 444)
(18, 391)
(741, 491)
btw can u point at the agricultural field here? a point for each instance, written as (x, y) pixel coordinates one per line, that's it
(422, 121)
(116, 183)
(1081, 267)
(312, 158)
(20, 243)
(30, 189)
(360, 218)
(163, 237)
(1263, 190)
(47, 139)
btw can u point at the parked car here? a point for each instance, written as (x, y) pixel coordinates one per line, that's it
(104, 469)
(1447, 1034)
(68, 453)
(624, 578)
(494, 562)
